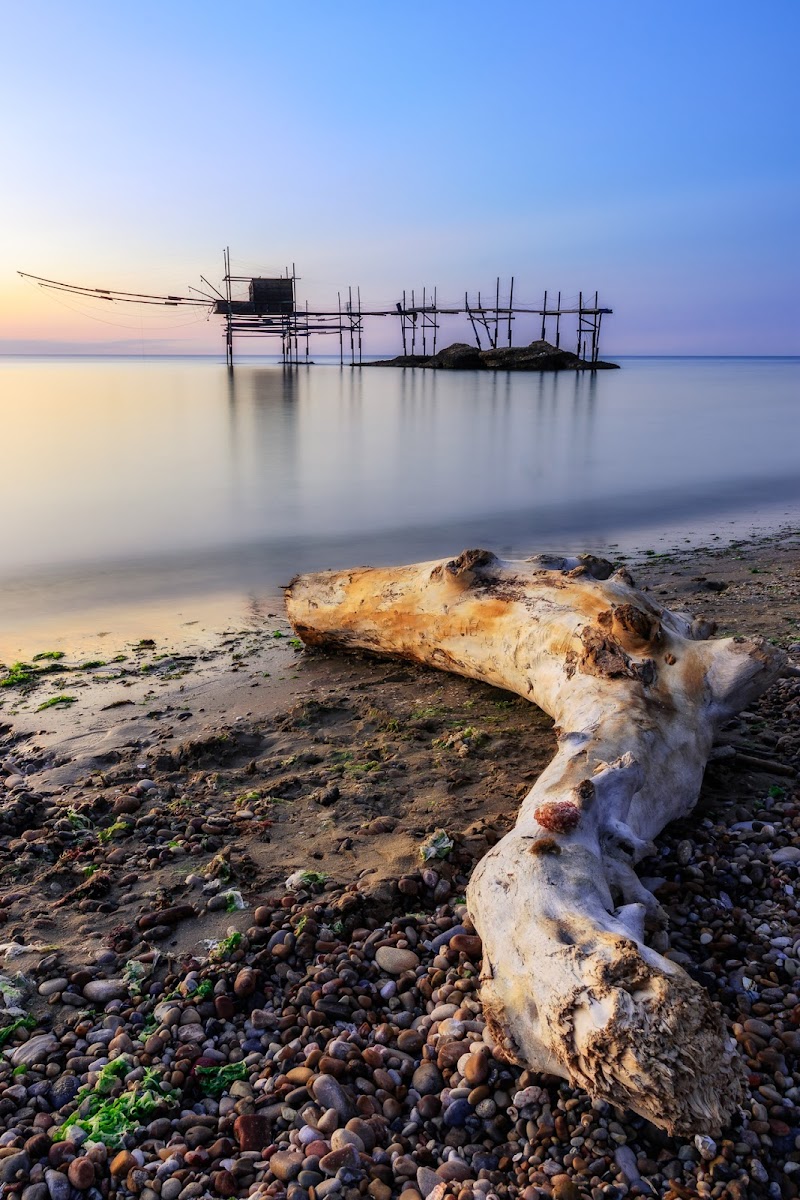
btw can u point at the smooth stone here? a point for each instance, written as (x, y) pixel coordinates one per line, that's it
(443, 939)
(329, 1093)
(443, 1012)
(476, 1069)
(457, 1113)
(328, 1187)
(51, 986)
(429, 1106)
(35, 1191)
(35, 1050)
(328, 1121)
(410, 1041)
(626, 1161)
(450, 1052)
(12, 1164)
(786, 854)
(299, 1075)
(427, 1079)
(455, 1169)
(192, 1033)
(451, 1030)
(395, 961)
(58, 1185)
(364, 1132)
(469, 944)
(38, 1146)
(286, 1164)
(345, 1137)
(427, 1180)
(100, 991)
(337, 1159)
(252, 1131)
(80, 1173)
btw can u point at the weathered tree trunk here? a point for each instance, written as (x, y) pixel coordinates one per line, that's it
(636, 692)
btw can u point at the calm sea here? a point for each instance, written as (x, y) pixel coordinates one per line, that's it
(141, 482)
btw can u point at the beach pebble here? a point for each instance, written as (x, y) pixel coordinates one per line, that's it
(327, 1091)
(346, 1157)
(50, 987)
(35, 1050)
(427, 1079)
(395, 961)
(252, 1131)
(58, 1185)
(286, 1164)
(100, 991)
(81, 1173)
(13, 1165)
(476, 1068)
(427, 1180)
(786, 854)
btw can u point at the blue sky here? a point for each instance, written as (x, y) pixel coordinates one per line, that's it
(648, 151)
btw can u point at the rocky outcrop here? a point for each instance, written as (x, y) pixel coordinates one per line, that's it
(538, 356)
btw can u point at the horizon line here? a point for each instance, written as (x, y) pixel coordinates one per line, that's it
(220, 356)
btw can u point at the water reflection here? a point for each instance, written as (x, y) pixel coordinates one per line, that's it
(178, 470)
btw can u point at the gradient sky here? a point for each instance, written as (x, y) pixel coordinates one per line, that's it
(650, 151)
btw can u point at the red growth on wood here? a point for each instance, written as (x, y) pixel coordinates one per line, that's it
(559, 816)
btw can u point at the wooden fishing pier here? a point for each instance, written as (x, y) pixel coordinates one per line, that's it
(271, 309)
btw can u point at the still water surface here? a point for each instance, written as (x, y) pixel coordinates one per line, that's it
(136, 481)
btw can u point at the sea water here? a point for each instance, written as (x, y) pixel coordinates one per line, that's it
(140, 482)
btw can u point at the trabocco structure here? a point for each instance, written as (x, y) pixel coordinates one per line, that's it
(271, 309)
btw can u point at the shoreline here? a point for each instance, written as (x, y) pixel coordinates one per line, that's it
(141, 599)
(184, 780)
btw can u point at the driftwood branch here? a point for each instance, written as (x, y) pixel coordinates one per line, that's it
(637, 692)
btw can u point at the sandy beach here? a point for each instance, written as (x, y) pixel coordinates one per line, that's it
(152, 817)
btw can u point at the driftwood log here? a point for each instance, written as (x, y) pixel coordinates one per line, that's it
(569, 985)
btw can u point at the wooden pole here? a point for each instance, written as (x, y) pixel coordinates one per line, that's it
(558, 322)
(544, 315)
(350, 316)
(496, 312)
(403, 324)
(341, 341)
(424, 338)
(229, 320)
(510, 308)
(435, 321)
(580, 321)
(358, 291)
(484, 319)
(472, 320)
(413, 323)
